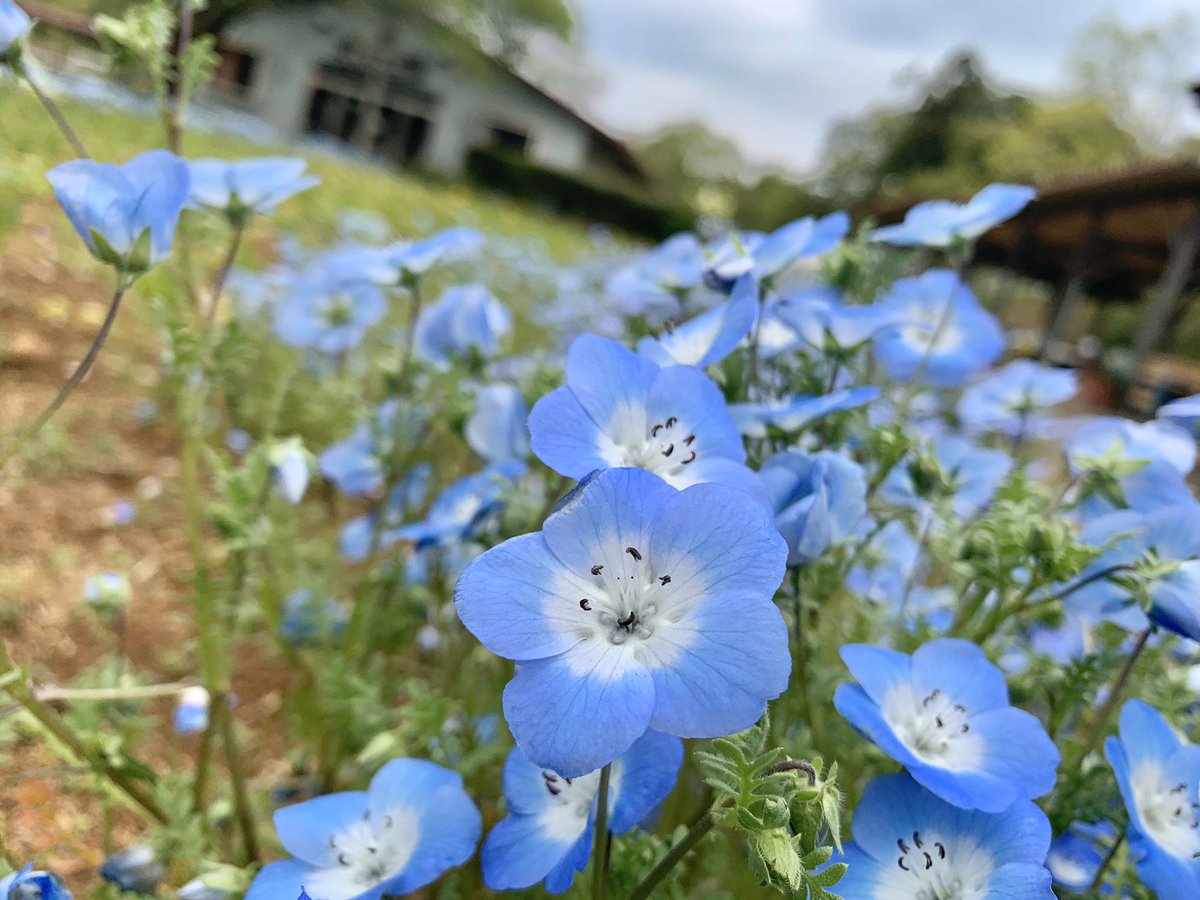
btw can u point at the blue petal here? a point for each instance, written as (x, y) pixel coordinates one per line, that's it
(564, 436)
(959, 668)
(278, 880)
(1145, 734)
(877, 669)
(305, 828)
(691, 396)
(1017, 750)
(520, 851)
(576, 859)
(607, 378)
(450, 827)
(643, 778)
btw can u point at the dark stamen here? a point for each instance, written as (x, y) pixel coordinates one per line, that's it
(960, 708)
(670, 449)
(596, 570)
(939, 721)
(941, 850)
(671, 420)
(343, 859)
(655, 430)
(632, 551)
(917, 840)
(585, 605)
(688, 440)
(965, 728)
(928, 862)
(553, 789)
(629, 621)
(664, 579)
(900, 863)
(903, 846)
(691, 458)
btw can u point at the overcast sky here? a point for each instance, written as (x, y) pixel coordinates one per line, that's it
(775, 74)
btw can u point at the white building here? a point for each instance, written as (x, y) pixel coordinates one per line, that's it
(385, 88)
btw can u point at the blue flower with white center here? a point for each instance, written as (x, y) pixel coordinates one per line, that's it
(943, 714)
(637, 606)
(307, 619)
(886, 564)
(617, 409)
(1158, 774)
(824, 323)
(328, 313)
(497, 428)
(127, 214)
(956, 472)
(548, 832)
(465, 320)
(1010, 399)
(818, 499)
(909, 845)
(766, 255)
(790, 414)
(709, 337)
(946, 336)
(191, 711)
(412, 824)
(1073, 861)
(136, 870)
(14, 25)
(1185, 411)
(940, 223)
(655, 283)
(289, 470)
(1111, 439)
(28, 884)
(237, 189)
(356, 464)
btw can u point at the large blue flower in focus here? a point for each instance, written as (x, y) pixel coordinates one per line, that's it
(943, 714)
(1159, 777)
(413, 823)
(127, 214)
(548, 832)
(245, 186)
(939, 223)
(637, 606)
(818, 499)
(910, 844)
(618, 409)
(946, 336)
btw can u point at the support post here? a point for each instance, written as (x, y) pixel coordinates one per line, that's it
(1181, 263)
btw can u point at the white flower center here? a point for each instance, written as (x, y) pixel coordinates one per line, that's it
(933, 727)
(665, 447)
(932, 867)
(374, 850)
(1168, 811)
(623, 600)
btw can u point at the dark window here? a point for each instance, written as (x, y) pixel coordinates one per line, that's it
(509, 141)
(235, 71)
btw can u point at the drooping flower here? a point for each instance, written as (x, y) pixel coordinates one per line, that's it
(412, 823)
(29, 884)
(327, 312)
(943, 714)
(789, 414)
(127, 214)
(191, 710)
(464, 320)
(1010, 399)
(946, 336)
(1185, 411)
(462, 509)
(637, 606)
(548, 832)
(767, 255)
(136, 870)
(1074, 860)
(617, 409)
(14, 25)
(818, 499)
(497, 428)
(237, 189)
(940, 223)
(289, 470)
(413, 259)
(910, 845)
(1158, 774)
(709, 337)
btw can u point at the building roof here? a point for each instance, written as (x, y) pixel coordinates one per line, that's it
(1112, 227)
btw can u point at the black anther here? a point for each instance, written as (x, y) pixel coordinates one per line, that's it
(671, 420)
(670, 449)
(691, 458)
(928, 862)
(664, 579)
(585, 605)
(900, 863)
(596, 570)
(633, 551)
(903, 846)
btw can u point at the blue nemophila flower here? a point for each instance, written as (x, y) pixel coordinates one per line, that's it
(940, 223)
(327, 312)
(946, 336)
(356, 464)
(465, 320)
(237, 189)
(191, 711)
(617, 409)
(1073, 861)
(910, 845)
(497, 428)
(14, 25)
(637, 606)
(289, 470)
(793, 413)
(1185, 411)
(885, 565)
(824, 323)
(28, 884)
(413, 823)
(709, 337)
(766, 255)
(943, 714)
(1010, 399)
(548, 832)
(136, 870)
(125, 214)
(307, 619)
(818, 499)
(413, 259)
(1106, 440)
(1158, 774)
(462, 509)
(655, 283)
(955, 472)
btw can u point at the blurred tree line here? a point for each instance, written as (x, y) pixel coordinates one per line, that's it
(1127, 89)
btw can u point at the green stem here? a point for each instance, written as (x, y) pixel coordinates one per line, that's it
(235, 245)
(1072, 588)
(1110, 703)
(1094, 887)
(694, 836)
(599, 856)
(73, 382)
(241, 797)
(55, 113)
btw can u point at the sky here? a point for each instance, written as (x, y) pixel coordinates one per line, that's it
(776, 74)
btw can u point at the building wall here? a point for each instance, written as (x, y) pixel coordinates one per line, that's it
(290, 46)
